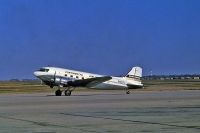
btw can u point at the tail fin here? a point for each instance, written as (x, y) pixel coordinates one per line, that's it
(136, 72)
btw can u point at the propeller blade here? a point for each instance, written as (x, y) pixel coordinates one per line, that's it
(41, 82)
(54, 77)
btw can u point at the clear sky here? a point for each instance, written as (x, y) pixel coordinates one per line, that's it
(99, 36)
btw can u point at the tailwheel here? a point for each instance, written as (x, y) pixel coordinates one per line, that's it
(68, 92)
(127, 92)
(58, 92)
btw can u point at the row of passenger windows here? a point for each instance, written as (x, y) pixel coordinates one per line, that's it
(77, 76)
(73, 76)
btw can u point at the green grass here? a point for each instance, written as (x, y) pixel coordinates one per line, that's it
(7, 87)
(22, 87)
(172, 84)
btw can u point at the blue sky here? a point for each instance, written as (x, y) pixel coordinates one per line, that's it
(99, 36)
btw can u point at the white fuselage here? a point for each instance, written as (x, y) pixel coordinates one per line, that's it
(60, 75)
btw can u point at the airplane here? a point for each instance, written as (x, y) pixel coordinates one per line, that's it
(70, 79)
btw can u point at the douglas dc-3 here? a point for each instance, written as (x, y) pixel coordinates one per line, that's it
(67, 80)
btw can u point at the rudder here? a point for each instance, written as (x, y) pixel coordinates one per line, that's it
(136, 72)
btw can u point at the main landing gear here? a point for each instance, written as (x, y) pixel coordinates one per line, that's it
(58, 92)
(67, 92)
(127, 92)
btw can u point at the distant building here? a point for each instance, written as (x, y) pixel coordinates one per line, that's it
(162, 78)
(172, 77)
(196, 78)
(14, 80)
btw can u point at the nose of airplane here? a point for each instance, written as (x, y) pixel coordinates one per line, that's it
(36, 73)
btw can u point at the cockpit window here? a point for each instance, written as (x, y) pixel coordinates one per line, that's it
(43, 70)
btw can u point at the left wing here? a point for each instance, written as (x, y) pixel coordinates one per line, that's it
(88, 82)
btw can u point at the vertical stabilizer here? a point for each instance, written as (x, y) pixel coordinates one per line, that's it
(136, 72)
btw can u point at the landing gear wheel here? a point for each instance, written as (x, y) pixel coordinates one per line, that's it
(127, 92)
(58, 93)
(68, 93)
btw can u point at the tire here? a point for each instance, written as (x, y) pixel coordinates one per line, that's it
(128, 92)
(58, 93)
(68, 93)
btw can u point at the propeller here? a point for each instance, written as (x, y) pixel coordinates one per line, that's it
(57, 80)
(54, 80)
(54, 77)
(41, 82)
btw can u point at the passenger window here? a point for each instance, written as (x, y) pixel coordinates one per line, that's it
(82, 77)
(77, 77)
(66, 75)
(71, 76)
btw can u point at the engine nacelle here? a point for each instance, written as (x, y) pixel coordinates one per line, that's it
(60, 81)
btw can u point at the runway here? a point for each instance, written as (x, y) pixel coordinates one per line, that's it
(101, 111)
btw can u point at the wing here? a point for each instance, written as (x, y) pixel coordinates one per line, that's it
(89, 82)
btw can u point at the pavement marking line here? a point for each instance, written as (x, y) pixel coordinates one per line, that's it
(33, 122)
(132, 121)
(45, 124)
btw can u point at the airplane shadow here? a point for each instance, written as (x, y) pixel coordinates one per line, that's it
(78, 95)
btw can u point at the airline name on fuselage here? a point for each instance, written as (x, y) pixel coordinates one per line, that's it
(73, 73)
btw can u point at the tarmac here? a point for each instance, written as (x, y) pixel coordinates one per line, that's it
(101, 112)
